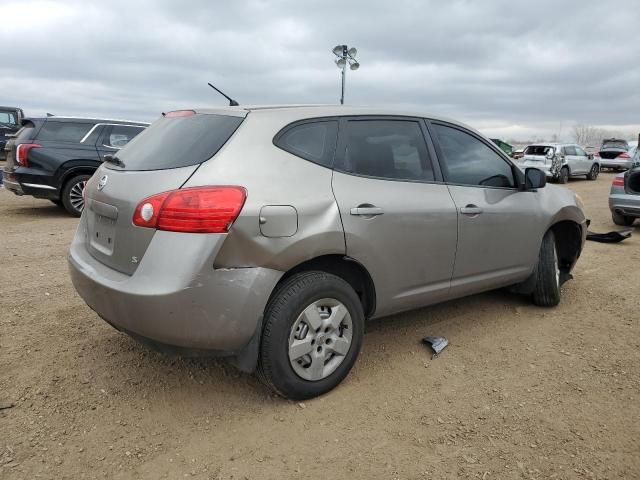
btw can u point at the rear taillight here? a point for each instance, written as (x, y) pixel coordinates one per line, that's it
(22, 153)
(624, 155)
(194, 210)
(618, 182)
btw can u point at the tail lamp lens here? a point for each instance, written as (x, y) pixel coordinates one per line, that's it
(22, 153)
(193, 210)
(618, 182)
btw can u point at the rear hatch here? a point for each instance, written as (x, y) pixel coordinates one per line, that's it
(613, 148)
(160, 159)
(537, 154)
(632, 181)
(24, 135)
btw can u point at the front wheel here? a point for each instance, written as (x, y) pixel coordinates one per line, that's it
(547, 290)
(564, 175)
(593, 173)
(313, 330)
(72, 194)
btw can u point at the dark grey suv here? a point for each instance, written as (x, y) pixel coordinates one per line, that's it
(53, 157)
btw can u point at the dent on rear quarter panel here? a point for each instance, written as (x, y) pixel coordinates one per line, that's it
(273, 177)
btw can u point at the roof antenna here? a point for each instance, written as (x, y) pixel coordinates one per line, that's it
(232, 102)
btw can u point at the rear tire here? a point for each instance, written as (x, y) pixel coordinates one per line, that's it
(564, 175)
(71, 196)
(313, 331)
(547, 289)
(622, 220)
(593, 173)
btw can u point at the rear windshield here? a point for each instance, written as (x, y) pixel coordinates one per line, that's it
(538, 150)
(615, 144)
(173, 142)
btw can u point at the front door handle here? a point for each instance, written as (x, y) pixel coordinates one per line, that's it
(368, 211)
(471, 210)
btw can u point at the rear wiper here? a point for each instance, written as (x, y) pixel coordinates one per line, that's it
(114, 160)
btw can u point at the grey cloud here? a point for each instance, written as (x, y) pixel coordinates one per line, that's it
(502, 66)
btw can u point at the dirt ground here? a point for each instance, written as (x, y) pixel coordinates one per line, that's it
(521, 391)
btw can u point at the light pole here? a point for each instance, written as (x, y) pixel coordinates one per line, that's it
(345, 55)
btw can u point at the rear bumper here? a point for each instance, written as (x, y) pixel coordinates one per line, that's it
(29, 186)
(613, 163)
(202, 308)
(625, 204)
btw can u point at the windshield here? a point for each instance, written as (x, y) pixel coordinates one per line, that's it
(615, 144)
(178, 141)
(9, 117)
(538, 150)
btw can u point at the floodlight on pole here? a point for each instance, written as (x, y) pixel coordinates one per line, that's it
(345, 56)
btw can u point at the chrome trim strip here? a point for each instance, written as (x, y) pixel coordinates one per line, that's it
(38, 185)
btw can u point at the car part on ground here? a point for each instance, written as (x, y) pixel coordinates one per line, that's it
(624, 197)
(561, 161)
(269, 234)
(437, 344)
(48, 156)
(609, 237)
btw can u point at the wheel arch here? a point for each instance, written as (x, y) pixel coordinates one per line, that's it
(568, 240)
(350, 270)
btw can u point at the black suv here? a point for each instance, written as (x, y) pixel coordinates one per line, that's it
(53, 157)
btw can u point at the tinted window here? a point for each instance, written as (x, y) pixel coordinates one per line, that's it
(173, 142)
(117, 136)
(580, 151)
(468, 161)
(392, 149)
(315, 141)
(568, 150)
(538, 150)
(64, 131)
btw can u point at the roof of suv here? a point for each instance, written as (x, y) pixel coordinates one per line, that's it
(92, 120)
(329, 110)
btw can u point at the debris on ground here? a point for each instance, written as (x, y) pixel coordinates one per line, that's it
(437, 344)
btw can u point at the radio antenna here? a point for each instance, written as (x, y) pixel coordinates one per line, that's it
(232, 102)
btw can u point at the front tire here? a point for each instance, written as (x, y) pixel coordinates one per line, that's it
(623, 220)
(547, 289)
(313, 330)
(593, 173)
(564, 175)
(72, 197)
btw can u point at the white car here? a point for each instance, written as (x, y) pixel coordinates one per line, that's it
(561, 160)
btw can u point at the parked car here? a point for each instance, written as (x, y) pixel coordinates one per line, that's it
(624, 198)
(571, 161)
(53, 157)
(615, 154)
(271, 234)
(10, 121)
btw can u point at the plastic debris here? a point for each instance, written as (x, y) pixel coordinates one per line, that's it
(610, 237)
(437, 344)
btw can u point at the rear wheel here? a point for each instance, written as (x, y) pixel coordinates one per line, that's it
(593, 173)
(564, 175)
(71, 197)
(547, 290)
(312, 335)
(623, 220)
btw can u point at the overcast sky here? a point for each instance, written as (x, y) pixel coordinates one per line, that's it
(509, 68)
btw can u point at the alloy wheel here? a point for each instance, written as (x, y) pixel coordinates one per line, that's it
(75, 195)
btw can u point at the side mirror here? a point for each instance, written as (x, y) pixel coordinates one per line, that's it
(590, 156)
(534, 179)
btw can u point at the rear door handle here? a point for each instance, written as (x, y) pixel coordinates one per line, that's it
(367, 211)
(471, 210)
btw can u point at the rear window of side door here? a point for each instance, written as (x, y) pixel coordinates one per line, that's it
(114, 136)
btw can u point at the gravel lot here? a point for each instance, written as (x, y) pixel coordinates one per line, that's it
(521, 392)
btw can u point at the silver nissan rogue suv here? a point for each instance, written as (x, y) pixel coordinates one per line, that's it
(271, 234)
